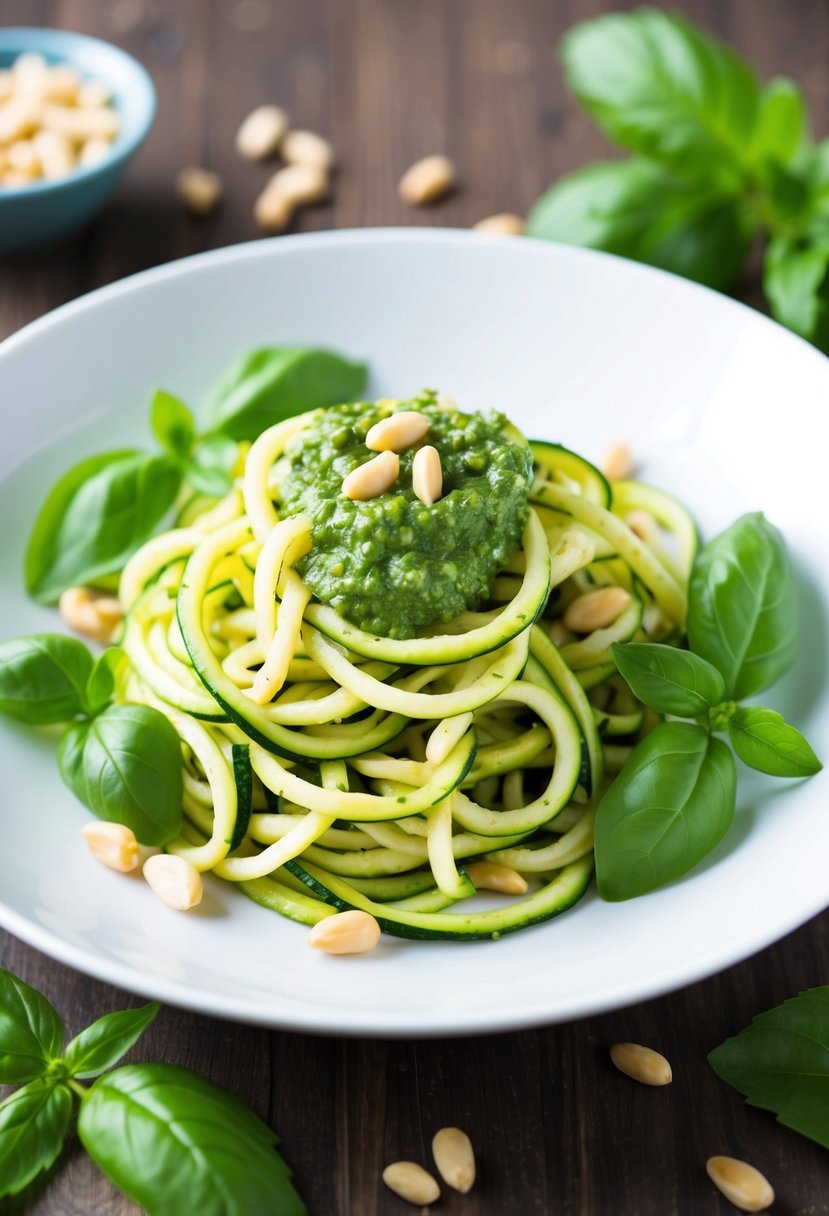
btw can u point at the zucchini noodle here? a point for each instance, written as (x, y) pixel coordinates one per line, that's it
(327, 768)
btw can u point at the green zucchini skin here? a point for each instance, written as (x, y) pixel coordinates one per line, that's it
(555, 458)
(243, 776)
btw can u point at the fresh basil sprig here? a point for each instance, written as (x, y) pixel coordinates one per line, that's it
(675, 798)
(169, 1139)
(716, 160)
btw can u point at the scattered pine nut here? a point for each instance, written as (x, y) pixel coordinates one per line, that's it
(617, 462)
(199, 189)
(307, 148)
(490, 876)
(397, 432)
(643, 1064)
(596, 609)
(427, 475)
(113, 845)
(372, 478)
(174, 880)
(503, 224)
(455, 1158)
(427, 181)
(301, 185)
(741, 1183)
(261, 133)
(411, 1182)
(642, 524)
(94, 616)
(353, 932)
(272, 211)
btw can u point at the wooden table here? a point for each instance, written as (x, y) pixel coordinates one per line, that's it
(557, 1129)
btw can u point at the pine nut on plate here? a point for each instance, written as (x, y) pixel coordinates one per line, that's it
(352, 932)
(596, 609)
(642, 1064)
(491, 876)
(112, 844)
(741, 1183)
(617, 462)
(174, 880)
(411, 1182)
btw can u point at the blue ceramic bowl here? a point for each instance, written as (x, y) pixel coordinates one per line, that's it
(45, 210)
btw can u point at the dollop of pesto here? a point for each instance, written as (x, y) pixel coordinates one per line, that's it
(391, 565)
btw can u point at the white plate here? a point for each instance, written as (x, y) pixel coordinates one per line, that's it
(719, 405)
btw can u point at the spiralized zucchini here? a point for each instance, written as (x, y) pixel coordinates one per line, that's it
(326, 768)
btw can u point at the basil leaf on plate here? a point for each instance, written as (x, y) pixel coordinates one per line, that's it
(95, 518)
(103, 1043)
(175, 1143)
(125, 765)
(43, 678)
(796, 281)
(742, 608)
(781, 1062)
(31, 1033)
(764, 740)
(172, 423)
(102, 679)
(34, 1123)
(671, 804)
(273, 383)
(669, 680)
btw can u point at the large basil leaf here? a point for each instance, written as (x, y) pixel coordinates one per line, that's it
(781, 1062)
(796, 281)
(95, 518)
(665, 90)
(638, 210)
(103, 1043)
(742, 608)
(43, 678)
(31, 1033)
(764, 740)
(670, 805)
(125, 765)
(273, 383)
(34, 1123)
(175, 1143)
(669, 680)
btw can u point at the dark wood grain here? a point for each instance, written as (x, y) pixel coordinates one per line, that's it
(557, 1129)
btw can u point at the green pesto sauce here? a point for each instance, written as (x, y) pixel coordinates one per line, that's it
(392, 565)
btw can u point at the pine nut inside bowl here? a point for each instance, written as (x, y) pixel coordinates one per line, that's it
(61, 95)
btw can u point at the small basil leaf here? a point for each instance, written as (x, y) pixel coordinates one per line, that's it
(742, 608)
(214, 483)
(780, 133)
(796, 281)
(172, 423)
(660, 87)
(43, 678)
(34, 1123)
(671, 804)
(763, 739)
(31, 1033)
(175, 1143)
(101, 683)
(91, 524)
(781, 1062)
(669, 680)
(103, 1043)
(125, 765)
(274, 383)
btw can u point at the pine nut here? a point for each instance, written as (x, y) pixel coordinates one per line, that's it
(301, 185)
(261, 133)
(427, 181)
(272, 211)
(352, 932)
(6, 84)
(741, 1183)
(642, 524)
(55, 153)
(372, 478)
(643, 1064)
(94, 151)
(95, 616)
(61, 83)
(411, 1182)
(307, 148)
(176, 882)
(199, 189)
(596, 609)
(81, 124)
(29, 72)
(113, 845)
(398, 432)
(93, 94)
(617, 462)
(19, 118)
(455, 1158)
(489, 876)
(427, 475)
(22, 158)
(503, 224)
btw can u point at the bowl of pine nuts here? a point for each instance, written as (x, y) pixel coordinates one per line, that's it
(73, 111)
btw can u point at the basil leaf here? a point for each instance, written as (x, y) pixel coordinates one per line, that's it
(780, 133)
(660, 87)
(742, 608)
(102, 679)
(796, 281)
(95, 518)
(671, 804)
(763, 739)
(781, 1062)
(125, 765)
(638, 210)
(43, 678)
(34, 1123)
(31, 1033)
(172, 423)
(669, 680)
(103, 1043)
(175, 1143)
(274, 383)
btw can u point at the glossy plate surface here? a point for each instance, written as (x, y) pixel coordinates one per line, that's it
(719, 405)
